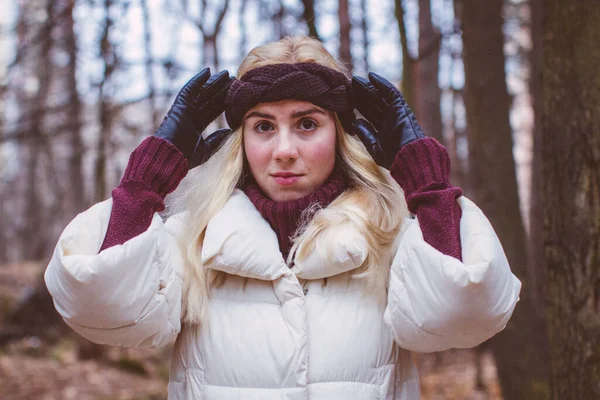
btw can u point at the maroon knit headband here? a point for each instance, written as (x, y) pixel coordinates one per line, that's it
(306, 81)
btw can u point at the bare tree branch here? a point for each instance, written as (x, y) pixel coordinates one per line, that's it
(345, 53)
(407, 61)
(149, 71)
(308, 15)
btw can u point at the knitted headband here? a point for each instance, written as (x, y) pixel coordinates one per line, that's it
(306, 81)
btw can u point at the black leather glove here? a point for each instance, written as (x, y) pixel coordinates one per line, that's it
(197, 104)
(384, 106)
(368, 135)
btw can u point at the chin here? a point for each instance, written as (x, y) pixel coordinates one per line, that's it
(286, 195)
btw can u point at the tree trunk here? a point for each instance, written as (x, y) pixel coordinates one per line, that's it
(34, 235)
(457, 127)
(537, 263)
(76, 186)
(244, 32)
(407, 62)
(345, 41)
(211, 47)
(107, 51)
(365, 34)
(458, 173)
(308, 15)
(519, 350)
(426, 69)
(152, 101)
(571, 194)
(4, 238)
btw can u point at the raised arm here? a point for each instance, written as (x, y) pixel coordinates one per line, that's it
(437, 302)
(127, 295)
(115, 275)
(161, 161)
(450, 283)
(422, 169)
(419, 164)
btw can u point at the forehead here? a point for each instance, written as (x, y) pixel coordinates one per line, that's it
(285, 108)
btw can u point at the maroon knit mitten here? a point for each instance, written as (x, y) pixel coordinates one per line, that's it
(154, 170)
(422, 169)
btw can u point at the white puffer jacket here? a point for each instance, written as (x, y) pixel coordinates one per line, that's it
(277, 333)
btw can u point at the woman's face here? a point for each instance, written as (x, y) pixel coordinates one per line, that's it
(290, 147)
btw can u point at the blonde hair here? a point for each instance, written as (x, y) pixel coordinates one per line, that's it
(373, 204)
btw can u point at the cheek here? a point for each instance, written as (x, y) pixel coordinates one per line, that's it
(321, 154)
(320, 159)
(256, 153)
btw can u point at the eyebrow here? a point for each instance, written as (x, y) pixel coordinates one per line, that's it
(311, 110)
(259, 115)
(296, 114)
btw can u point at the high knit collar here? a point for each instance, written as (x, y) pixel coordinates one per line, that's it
(284, 216)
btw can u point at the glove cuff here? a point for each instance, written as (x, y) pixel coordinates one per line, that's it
(157, 165)
(420, 165)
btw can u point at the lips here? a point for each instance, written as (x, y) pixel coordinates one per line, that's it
(285, 178)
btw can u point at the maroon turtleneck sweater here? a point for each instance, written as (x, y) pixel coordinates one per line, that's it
(284, 216)
(421, 168)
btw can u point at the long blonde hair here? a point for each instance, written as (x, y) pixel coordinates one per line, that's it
(373, 204)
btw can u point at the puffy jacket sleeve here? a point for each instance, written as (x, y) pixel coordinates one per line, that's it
(436, 302)
(129, 294)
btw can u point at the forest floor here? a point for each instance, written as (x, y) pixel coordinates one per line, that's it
(32, 369)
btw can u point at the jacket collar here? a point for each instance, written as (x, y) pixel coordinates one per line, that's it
(240, 241)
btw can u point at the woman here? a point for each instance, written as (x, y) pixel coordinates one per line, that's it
(294, 266)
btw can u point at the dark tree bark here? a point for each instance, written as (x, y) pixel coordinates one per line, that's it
(537, 271)
(407, 61)
(244, 30)
(457, 127)
(35, 233)
(215, 32)
(427, 93)
(345, 53)
(152, 101)
(18, 223)
(4, 215)
(76, 185)
(308, 15)
(519, 350)
(364, 24)
(458, 174)
(210, 53)
(109, 57)
(571, 194)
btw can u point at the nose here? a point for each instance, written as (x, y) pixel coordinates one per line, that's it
(285, 148)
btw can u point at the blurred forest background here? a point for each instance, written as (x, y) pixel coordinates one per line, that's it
(82, 82)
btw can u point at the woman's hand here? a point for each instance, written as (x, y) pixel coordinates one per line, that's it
(384, 106)
(197, 104)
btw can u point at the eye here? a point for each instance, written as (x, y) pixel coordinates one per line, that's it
(307, 124)
(263, 126)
